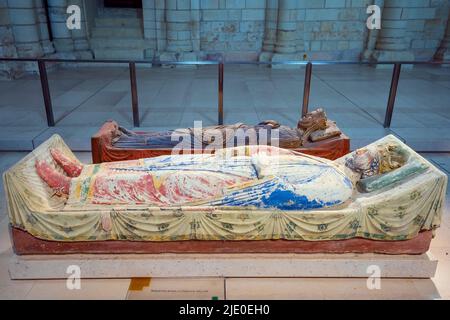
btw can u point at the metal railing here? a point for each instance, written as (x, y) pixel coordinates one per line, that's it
(220, 64)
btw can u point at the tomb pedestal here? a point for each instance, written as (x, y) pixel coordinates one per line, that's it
(224, 265)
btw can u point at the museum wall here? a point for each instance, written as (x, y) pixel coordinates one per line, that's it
(7, 47)
(294, 29)
(266, 30)
(24, 33)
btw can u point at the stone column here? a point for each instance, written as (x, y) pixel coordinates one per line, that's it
(178, 26)
(182, 18)
(391, 43)
(288, 42)
(372, 36)
(286, 27)
(80, 37)
(62, 36)
(8, 70)
(195, 25)
(270, 30)
(160, 25)
(443, 53)
(25, 28)
(149, 20)
(47, 45)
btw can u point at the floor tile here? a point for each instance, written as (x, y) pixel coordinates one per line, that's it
(77, 137)
(91, 289)
(355, 96)
(327, 288)
(442, 279)
(11, 289)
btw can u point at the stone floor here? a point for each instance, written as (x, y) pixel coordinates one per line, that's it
(355, 96)
(232, 288)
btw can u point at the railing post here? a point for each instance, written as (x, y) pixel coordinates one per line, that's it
(134, 94)
(392, 95)
(306, 88)
(46, 93)
(220, 82)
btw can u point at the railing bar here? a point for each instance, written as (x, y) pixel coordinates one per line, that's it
(220, 95)
(46, 93)
(134, 95)
(306, 89)
(229, 62)
(306, 93)
(392, 95)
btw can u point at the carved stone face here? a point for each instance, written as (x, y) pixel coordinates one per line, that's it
(377, 160)
(364, 161)
(311, 118)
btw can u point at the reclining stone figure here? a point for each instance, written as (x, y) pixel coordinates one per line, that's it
(261, 176)
(384, 192)
(313, 127)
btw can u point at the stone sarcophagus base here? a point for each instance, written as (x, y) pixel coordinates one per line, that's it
(26, 244)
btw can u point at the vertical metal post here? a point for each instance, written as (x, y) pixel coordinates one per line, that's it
(307, 88)
(392, 94)
(46, 93)
(220, 105)
(134, 94)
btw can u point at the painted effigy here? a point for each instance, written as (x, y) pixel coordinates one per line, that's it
(295, 182)
(312, 127)
(384, 191)
(315, 134)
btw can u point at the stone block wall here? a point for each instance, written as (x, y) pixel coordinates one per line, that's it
(235, 27)
(24, 34)
(267, 30)
(7, 47)
(335, 29)
(294, 29)
(426, 23)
